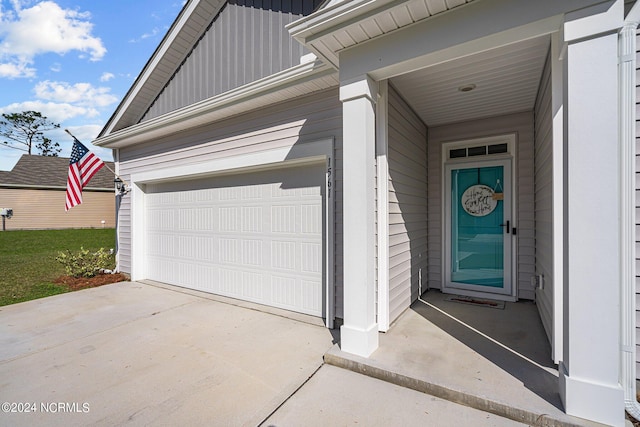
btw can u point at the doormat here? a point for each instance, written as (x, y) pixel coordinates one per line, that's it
(476, 301)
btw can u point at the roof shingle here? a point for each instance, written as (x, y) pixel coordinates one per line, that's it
(44, 171)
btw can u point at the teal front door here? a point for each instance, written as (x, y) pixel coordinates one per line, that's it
(479, 228)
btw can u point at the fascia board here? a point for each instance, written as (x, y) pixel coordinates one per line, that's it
(596, 19)
(311, 30)
(192, 115)
(325, 21)
(334, 17)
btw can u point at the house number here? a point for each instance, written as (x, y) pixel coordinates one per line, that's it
(329, 180)
(478, 200)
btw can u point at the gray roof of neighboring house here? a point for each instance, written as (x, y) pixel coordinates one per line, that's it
(41, 171)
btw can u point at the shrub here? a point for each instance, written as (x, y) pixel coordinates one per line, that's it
(84, 263)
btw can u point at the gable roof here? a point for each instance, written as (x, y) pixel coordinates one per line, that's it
(189, 26)
(50, 172)
(129, 125)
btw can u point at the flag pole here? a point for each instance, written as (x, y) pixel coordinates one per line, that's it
(105, 164)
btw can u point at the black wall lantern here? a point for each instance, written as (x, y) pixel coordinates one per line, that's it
(121, 186)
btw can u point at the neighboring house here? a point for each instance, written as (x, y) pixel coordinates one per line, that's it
(480, 147)
(36, 188)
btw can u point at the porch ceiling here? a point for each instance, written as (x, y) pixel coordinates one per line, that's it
(506, 81)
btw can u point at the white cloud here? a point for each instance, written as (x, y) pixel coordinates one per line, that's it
(61, 101)
(16, 68)
(56, 112)
(43, 28)
(82, 94)
(105, 77)
(144, 36)
(9, 157)
(86, 134)
(56, 67)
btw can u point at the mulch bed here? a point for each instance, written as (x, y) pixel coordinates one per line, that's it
(77, 283)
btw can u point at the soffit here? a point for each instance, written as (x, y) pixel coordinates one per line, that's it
(506, 81)
(344, 24)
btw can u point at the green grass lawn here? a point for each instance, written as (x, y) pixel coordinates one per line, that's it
(27, 260)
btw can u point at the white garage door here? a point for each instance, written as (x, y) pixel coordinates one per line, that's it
(253, 236)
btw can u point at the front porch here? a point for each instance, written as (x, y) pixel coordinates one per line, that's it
(495, 360)
(425, 99)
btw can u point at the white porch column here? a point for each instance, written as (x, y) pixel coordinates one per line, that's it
(359, 333)
(628, 114)
(557, 96)
(590, 367)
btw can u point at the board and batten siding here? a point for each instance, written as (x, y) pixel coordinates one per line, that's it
(305, 119)
(543, 161)
(246, 42)
(522, 125)
(44, 209)
(407, 160)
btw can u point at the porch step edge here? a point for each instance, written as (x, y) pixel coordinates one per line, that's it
(334, 356)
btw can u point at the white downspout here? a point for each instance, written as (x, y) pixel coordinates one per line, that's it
(627, 88)
(118, 199)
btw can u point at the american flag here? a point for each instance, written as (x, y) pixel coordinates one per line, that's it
(82, 166)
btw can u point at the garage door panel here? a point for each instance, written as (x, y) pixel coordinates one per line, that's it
(310, 297)
(311, 258)
(283, 255)
(256, 236)
(311, 216)
(283, 219)
(285, 292)
(254, 286)
(252, 253)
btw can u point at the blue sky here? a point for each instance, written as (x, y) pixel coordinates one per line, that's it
(74, 60)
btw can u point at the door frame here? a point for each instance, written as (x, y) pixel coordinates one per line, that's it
(506, 159)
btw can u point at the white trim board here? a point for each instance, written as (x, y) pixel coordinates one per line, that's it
(305, 78)
(303, 153)
(382, 175)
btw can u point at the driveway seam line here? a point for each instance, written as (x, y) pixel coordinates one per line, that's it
(291, 395)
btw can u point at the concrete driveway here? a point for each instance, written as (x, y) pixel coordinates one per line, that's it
(138, 354)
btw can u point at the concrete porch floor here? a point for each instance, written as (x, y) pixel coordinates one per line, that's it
(496, 360)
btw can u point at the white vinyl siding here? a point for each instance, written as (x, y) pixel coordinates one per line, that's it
(522, 125)
(544, 200)
(306, 119)
(407, 159)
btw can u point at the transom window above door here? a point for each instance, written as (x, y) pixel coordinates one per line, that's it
(479, 148)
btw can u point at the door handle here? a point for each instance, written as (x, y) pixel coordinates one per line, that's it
(506, 225)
